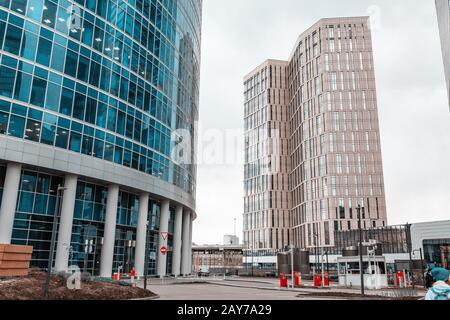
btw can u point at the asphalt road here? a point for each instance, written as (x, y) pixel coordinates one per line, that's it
(213, 292)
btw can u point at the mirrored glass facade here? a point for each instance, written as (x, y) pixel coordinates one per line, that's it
(98, 89)
(108, 79)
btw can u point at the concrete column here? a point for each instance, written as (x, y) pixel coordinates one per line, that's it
(190, 246)
(141, 235)
(66, 223)
(186, 247)
(163, 232)
(9, 201)
(176, 256)
(109, 236)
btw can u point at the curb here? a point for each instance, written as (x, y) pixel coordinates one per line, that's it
(147, 299)
(257, 288)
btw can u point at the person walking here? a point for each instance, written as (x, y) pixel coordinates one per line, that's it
(441, 288)
(428, 279)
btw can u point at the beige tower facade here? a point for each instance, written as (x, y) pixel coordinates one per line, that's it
(334, 152)
(267, 162)
(335, 138)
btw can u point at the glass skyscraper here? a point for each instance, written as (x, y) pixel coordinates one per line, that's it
(93, 95)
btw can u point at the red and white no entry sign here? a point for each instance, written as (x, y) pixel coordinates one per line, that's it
(163, 250)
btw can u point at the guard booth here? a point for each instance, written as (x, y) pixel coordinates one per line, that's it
(374, 267)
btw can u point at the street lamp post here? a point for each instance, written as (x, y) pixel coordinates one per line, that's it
(59, 192)
(408, 240)
(146, 256)
(361, 262)
(316, 252)
(323, 275)
(224, 264)
(292, 265)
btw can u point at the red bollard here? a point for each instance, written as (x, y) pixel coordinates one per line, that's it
(317, 280)
(399, 279)
(283, 281)
(296, 279)
(327, 280)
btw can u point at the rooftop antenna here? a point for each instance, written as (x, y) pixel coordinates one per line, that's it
(235, 227)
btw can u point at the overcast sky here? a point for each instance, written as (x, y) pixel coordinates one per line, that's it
(414, 114)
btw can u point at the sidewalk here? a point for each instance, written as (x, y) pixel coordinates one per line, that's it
(269, 284)
(308, 288)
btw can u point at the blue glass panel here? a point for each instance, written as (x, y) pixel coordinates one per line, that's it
(118, 155)
(7, 76)
(63, 21)
(50, 118)
(87, 145)
(88, 33)
(66, 102)
(29, 44)
(35, 114)
(44, 52)
(58, 58)
(40, 204)
(49, 14)
(23, 87)
(64, 123)
(87, 210)
(53, 94)
(71, 63)
(19, 110)
(5, 3)
(109, 152)
(79, 106)
(16, 126)
(77, 127)
(38, 92)
(32, 130)
(2, 32)
(101, 115)
(83, 69)
(98, 148)
(51, 205)
(26, 202)
(48, 134)
(13, 39)
(62, 138)
(78, 213)
(28, 181)
(35, 10)
(94, 74)
(30, 26)
(40, 72)
(4, 118)
(75, 141)
(112, 118)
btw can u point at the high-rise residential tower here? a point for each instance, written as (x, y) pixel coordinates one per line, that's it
(334, 155)
(335, 137)
(267, 196)
(443, 13)
(92, 94)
